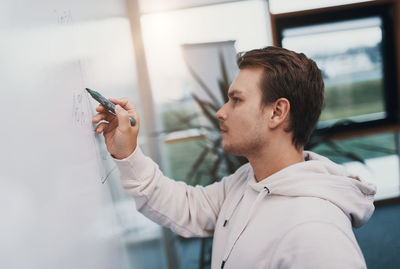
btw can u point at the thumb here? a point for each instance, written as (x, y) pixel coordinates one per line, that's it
(123, 118)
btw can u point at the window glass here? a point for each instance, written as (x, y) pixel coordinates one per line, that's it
(349, 55)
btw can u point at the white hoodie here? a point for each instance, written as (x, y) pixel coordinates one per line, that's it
(299, 217)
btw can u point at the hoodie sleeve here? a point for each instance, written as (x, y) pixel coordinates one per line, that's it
(188, 210)
(315, 245)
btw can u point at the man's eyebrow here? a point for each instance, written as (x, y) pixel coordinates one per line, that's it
(234, 92)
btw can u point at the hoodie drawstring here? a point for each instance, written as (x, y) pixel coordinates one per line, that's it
(263, 193)
(232, 210)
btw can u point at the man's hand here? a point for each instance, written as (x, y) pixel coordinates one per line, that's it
(120, 136)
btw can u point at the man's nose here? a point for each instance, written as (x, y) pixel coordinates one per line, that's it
(221, 115)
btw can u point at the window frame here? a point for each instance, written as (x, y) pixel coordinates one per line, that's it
(386, 11)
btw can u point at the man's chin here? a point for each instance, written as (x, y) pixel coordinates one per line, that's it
(231, 150)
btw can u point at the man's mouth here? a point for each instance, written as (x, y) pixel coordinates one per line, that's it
(223, 129)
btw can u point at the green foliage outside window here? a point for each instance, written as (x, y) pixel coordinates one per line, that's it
(353, 99)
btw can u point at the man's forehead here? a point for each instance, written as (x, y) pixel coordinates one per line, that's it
(246, 81)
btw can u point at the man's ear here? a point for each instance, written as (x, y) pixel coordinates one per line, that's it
(279, 113)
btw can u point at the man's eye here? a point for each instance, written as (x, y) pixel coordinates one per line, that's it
(236, 100)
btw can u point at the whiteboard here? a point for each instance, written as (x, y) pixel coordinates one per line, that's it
(56, 209)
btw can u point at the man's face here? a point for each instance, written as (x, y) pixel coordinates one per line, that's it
(243, 120)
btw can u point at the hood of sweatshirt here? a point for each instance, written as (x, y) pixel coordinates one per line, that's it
(321, 178)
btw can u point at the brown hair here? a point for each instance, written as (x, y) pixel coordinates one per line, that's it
(292, 76)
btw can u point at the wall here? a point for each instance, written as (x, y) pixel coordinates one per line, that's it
(379, 239)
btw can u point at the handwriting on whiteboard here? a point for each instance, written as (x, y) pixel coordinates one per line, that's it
(64, 17)
(81, 116)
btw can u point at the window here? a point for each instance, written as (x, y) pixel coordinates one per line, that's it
(354, 48)
(349, 54)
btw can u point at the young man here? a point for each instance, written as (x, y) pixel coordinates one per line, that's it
(284, 209)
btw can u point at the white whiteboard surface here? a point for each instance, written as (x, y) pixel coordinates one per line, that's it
(54, 210)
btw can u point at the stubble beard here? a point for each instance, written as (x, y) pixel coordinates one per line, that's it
(246, 148)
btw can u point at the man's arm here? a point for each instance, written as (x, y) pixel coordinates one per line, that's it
(317, 245)
(190, 211)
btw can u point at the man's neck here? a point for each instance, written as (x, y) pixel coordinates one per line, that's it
(274, 158)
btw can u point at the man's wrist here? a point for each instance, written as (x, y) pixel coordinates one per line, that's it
(124, 155)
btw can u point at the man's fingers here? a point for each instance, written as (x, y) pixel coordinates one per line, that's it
(103, 116)
(123, 118)
(100, 108)
(111, 126)
(124, 102)
(106, 127)
(101, 127)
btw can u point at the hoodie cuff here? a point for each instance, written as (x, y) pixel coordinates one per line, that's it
(136, 166)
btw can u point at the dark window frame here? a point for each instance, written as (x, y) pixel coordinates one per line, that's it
(337, 14)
